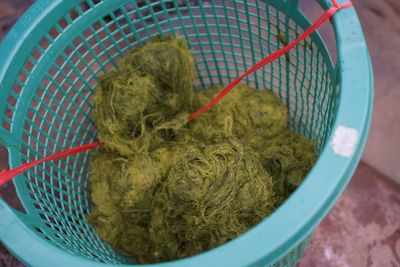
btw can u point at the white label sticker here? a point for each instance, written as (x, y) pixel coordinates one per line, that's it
(344, 141)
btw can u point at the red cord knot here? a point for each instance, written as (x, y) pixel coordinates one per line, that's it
(344, 5)
(336, 7)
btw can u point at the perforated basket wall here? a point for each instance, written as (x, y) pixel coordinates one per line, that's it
(46, 106)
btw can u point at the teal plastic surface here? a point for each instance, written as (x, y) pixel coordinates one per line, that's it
(49, 62)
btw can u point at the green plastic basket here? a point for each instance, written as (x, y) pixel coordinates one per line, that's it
(48, 67)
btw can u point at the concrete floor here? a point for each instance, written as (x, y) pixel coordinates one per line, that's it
(363, 228)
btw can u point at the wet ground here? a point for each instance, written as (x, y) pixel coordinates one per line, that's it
(363, 228)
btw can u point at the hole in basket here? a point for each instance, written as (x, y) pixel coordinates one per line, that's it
(9, 113)
(17, 88)
(42, 233)
(36, 54)
(63, 23)
(44, 43)
(22, 76)
(38, 230)
(54, 33)
(6, 125)
(84, 7)
(28, 66)
(73, 14)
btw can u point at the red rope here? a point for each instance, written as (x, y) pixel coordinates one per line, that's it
(7, 175)
(321, 20)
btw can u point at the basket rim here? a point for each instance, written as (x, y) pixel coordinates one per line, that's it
(302, 211)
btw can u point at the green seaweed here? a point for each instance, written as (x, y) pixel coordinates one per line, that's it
(149, 88)
(164, 188)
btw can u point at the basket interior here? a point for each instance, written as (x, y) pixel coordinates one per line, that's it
(48, 103)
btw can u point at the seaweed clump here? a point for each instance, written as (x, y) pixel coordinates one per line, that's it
(150, 87)
(164, 188)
